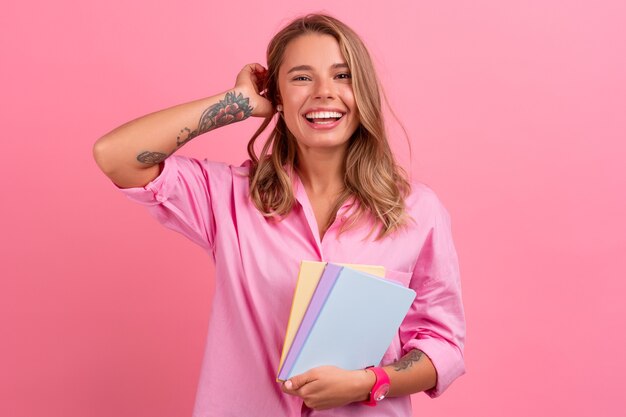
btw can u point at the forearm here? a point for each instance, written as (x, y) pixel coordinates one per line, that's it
(129, 155)
(328, 386)
(414, 372)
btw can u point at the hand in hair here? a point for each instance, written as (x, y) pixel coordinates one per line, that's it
(250, 82)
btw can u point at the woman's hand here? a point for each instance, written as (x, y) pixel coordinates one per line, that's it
(328, 387)
(249, 82)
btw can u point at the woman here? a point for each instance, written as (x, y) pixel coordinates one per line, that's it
(325, 187)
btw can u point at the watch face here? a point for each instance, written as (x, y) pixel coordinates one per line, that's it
(381, 392)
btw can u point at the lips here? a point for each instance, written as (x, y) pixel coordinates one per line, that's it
(323, 117)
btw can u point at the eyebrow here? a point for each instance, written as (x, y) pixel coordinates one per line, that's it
(310, 68)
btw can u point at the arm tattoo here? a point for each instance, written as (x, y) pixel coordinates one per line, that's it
(408, 360)
(233, 108)
(151, 158)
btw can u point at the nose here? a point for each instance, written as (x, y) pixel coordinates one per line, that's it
(324, 89)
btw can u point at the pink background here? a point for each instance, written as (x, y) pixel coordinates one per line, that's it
(516, 113)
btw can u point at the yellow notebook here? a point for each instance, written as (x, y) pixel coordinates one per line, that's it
(308, 277)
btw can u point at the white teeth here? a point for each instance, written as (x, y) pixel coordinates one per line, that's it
(323, 115)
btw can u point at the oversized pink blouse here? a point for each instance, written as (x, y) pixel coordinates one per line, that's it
(256, 263)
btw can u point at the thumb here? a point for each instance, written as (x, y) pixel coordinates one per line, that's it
(298, 381)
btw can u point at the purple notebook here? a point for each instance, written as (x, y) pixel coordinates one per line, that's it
(324, 286)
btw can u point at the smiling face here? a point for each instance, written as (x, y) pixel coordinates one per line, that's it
(316, 94)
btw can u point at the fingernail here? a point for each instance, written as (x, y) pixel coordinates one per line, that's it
(288, 384)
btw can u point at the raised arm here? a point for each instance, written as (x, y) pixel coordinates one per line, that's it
(130, 154)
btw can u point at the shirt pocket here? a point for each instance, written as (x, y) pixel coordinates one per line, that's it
(394, 352)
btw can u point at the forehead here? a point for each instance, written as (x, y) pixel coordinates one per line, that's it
(316, 50)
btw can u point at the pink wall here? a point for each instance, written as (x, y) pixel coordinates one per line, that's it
(516, 112)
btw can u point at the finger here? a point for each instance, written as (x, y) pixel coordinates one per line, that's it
(257, 74)
(260, 68)
(285, 389)
(299, 381)
(288, 388)
(293, 384)
(256, 68)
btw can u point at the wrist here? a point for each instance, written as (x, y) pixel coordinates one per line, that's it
(380, 389)
(259, 105)
(248, 96)
(365, 381)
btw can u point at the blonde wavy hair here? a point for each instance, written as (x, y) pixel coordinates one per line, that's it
(372, 176)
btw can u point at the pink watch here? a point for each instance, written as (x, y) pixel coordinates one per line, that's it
(381, 386)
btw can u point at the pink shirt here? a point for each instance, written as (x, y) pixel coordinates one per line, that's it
(257, 261)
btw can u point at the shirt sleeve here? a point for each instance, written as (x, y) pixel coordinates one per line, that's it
(435, 323)
(182, 196)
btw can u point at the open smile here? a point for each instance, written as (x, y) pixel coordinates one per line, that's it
(323, 119)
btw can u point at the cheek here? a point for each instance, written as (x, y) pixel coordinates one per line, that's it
(347, 96)
(292, 119)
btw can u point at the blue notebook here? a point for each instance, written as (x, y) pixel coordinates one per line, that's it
(351, 321)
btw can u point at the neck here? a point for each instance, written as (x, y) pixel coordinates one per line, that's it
(322, 173)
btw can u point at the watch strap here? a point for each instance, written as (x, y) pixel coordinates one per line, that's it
(382, 379)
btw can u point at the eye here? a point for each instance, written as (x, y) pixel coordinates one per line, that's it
(301, 78)
(344, 76)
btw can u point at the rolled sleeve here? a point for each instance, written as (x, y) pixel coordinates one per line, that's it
(157, 190)
(181, 197)
(435, 323)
